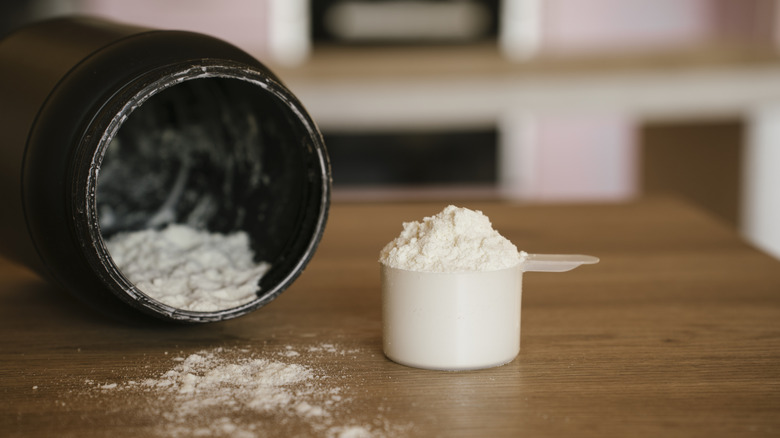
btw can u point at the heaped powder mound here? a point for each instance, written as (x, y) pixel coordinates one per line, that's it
(455, 240)
(188, 268)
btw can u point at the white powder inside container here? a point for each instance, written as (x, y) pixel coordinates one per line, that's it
(187, 268)
(455, 240)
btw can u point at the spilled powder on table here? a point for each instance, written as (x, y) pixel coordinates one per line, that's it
(230, 392)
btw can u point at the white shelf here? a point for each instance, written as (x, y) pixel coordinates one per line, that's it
(362, 89)
(370, 89)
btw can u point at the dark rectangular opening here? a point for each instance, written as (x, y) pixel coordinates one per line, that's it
(429, 158)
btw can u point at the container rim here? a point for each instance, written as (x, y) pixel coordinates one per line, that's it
(115, 113)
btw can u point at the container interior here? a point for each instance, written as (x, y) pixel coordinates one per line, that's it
(217, 154)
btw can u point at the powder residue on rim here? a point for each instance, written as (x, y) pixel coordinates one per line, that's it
(455, 240)
(187, 268)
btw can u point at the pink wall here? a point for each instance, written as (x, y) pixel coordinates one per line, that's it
(609, 26)
(240, 22)
(585, 157)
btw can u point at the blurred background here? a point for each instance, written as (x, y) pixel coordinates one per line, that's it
(526, 100)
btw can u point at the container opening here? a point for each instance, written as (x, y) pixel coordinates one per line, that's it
(210, 157)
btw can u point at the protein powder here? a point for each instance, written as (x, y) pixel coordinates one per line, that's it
(455, 240)
(189, 269)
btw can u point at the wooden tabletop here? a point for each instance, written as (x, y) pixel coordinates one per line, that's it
(675, 333)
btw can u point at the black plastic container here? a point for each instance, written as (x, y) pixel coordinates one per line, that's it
(241, 153)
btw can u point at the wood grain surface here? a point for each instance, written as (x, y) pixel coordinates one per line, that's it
(676, 332)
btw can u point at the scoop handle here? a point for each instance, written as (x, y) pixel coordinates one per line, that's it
(556, 262)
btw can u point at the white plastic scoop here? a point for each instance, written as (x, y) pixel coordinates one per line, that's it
(459, 320)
